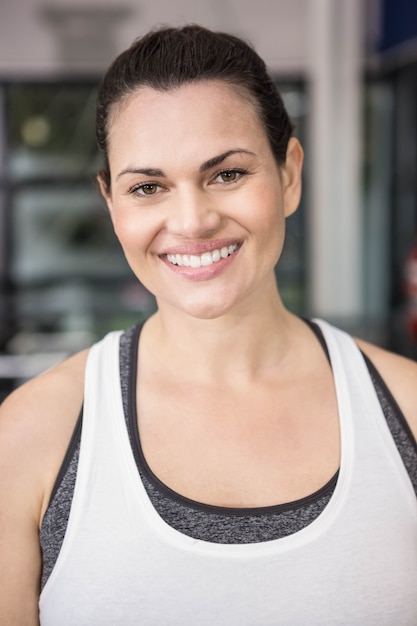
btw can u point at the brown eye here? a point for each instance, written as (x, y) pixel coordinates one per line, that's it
(229, 176)
(148, 189)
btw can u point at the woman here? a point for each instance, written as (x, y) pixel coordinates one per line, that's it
(234, 464)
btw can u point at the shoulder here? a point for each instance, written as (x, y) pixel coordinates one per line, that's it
(400, 375)
(36, 424)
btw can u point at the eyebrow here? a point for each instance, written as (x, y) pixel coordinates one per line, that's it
(147, 171)
(207, 165)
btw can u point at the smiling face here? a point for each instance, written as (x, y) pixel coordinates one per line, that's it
(197, 199)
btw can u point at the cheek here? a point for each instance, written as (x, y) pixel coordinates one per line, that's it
(131, 241)
(134, 243)
(123, 227)
(130, 228)
(270, 221)
(265, 212)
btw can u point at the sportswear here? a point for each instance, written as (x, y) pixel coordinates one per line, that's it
(120, 563)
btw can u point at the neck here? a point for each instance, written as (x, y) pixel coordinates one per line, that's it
(235, 347)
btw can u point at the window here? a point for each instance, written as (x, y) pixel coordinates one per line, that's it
(64, 281)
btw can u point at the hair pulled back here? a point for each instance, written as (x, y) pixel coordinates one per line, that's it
(167, 58)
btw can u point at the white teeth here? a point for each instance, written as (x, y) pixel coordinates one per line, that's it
(205, 259)
(195, 261)
(215, 255)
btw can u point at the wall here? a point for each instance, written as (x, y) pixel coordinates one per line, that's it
(33, 38)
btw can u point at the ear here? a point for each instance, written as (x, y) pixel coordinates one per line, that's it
(291, 176)
(105, 192)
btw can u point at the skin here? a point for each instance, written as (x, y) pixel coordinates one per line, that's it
(191, 210)
(221, 348)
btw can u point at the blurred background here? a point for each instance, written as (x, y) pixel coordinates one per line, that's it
(347, 70)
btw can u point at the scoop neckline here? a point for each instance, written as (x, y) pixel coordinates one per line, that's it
(143, 466)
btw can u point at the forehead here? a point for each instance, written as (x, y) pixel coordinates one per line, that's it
(177, 131)
(215, 102)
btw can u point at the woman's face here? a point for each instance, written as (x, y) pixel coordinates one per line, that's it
(197, 199)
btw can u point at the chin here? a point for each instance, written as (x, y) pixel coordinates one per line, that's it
(203, 308)
(207, 312)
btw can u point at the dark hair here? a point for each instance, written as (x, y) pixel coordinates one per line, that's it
(167, 58)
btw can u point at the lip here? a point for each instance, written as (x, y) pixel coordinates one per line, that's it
(202, 273)
(199, 247)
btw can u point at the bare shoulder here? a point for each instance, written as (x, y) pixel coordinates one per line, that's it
(37, 420)
(400, 375)
(36, 424)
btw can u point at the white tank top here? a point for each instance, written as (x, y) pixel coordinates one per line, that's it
(121, 564)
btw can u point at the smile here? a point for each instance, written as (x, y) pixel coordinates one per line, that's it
(202, 260)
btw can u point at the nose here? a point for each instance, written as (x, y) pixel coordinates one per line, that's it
(194, 214)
